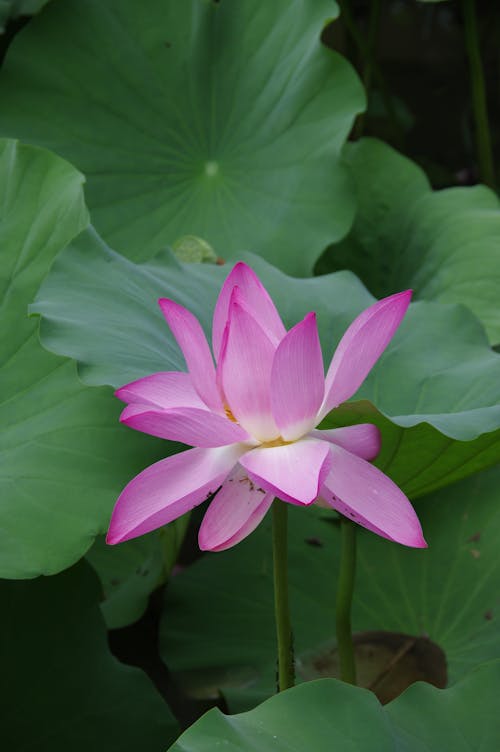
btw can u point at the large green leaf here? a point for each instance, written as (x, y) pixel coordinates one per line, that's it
(63, 689)
(14, 8)
(330, 715)
(218, 631)
(444, 244)
(131, 571)
(63, 455)
(220, 120)
(438, 384)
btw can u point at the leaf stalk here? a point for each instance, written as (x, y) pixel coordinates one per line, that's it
(478, 89)
(345, 590)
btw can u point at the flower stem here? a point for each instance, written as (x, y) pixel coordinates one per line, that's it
(345, 590)
(281, 607)
(483, 135)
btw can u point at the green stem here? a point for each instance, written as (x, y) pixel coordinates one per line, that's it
(370, 66)
(281, 607)
(345, 590)
(482, 127)
(373, 28)
(368, 62)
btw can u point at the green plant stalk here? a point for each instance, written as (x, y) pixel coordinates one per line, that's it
(375, 9)
(370, 66)
(345, 591)
(482, 127)
(286, 673)
(368, 62)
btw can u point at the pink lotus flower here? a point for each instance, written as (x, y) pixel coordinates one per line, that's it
(253, 422)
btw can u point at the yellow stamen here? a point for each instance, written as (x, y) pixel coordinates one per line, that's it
(229, 414)
(280, 441)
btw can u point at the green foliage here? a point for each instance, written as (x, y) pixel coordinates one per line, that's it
(4, 13)
(102, 310)
(218, 632)
(223, 121)
(330, 715)
(219, 130)
(64, 689)
(191, 249)
(131, 571)
(14, 8)
(443, 244)
(128, 573)
(63, 455)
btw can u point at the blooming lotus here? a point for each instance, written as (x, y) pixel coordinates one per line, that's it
(252, 419)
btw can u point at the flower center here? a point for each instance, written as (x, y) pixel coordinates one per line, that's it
(275, 443)
(280, 441)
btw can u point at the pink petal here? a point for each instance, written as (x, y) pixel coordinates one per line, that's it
(168, 489)
(165, 389)
(245, 372)
(362, 440)
(363, 493)
(361, 346)
(191, 339)
(294, 472)
(234, 513)
(190, 425)
(256, 299)
(298, 380)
